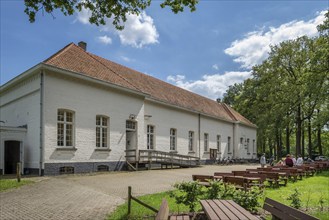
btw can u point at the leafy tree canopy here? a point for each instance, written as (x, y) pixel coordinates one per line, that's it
(102, 9)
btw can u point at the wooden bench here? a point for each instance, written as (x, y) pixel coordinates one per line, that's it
(239, 182)
(163, 213)
(281, 211)
(202, 179)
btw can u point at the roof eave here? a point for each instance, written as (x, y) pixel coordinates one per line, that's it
(20, 77)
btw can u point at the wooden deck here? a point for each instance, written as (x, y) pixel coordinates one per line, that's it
(151, 158)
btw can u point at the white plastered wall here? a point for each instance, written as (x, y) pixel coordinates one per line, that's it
(19, 106)
(88, 100)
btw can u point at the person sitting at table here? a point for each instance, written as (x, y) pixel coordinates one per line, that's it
(288, 161)
(299, 161)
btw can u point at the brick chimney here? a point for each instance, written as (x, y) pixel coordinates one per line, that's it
(83, 45)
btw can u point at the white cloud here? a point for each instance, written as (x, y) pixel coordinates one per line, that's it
(254, 47)
(126, 59)
(215, 66)
(105, 39)
(83, 16)
(211, 86)
(139, 29)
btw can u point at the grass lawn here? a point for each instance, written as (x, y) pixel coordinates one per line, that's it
(6, 184)
(312, 189)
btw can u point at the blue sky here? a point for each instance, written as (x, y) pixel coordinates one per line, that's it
(204, 51)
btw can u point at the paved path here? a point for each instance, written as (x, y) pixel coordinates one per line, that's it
(90, 196)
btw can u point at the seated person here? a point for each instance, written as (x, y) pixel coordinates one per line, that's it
(288, 161)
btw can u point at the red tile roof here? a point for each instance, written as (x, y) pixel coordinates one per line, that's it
(75, 59)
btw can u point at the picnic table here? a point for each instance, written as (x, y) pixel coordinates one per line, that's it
(225, 209)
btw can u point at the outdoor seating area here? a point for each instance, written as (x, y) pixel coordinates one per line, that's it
(272, 176)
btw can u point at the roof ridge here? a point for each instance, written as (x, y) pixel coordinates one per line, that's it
(99, 61)
(229, 111)
(59, 52)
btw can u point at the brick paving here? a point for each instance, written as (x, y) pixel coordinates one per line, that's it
(91, 196)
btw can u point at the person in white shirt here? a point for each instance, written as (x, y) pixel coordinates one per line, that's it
(263, 160)
(293, 160)
(299, 161)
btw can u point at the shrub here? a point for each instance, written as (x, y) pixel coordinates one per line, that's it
(188, 193)
(295, 199)
(248, 199)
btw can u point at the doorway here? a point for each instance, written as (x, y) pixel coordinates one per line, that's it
(213, 154)
(131, 135)
(12, 156)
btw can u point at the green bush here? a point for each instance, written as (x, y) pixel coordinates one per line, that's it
(295, 199)
(248, 199)
(188, 193)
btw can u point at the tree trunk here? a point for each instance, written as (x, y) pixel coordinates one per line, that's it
(288, 139)
(299, 130)
(277, 143)
(303, 142)
(319, 140)
(309, 131)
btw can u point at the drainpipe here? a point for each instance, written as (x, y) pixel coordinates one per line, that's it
(199, 133)
(41, 121)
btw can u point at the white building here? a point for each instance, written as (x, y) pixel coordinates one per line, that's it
(79, 112)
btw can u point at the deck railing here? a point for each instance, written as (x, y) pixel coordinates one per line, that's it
(161, 157)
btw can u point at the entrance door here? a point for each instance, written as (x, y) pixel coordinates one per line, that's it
(213, 154)
(12, 156)
(131, 139)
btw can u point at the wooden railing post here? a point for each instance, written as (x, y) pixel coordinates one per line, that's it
(129, 200)
(18, 172)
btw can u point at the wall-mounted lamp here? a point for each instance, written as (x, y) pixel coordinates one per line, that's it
(132, 116)
(147, 117)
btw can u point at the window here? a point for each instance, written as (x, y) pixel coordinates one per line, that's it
(173, 138)
(150, 137)
(206, 136)
(229, 144)
(66, 170)
(253, 146)
(241, 142)
(130, 125)
(191, 141)
(247, 145)
(65, 128)
(219, 144)
(101, 131)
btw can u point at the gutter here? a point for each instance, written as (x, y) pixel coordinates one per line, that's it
(41, 122)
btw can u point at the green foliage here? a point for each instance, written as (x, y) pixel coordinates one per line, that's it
(188, 193)
(288, 95)
(102, 10)
(250, 199)
(321, 202)
(295, 199)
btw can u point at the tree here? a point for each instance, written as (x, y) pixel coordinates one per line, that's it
(102, 9)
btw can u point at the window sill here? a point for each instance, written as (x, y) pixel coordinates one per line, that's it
(191, 152)
(66, 148)
(102, 149)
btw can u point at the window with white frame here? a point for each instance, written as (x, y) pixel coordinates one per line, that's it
(102, 131)
(65, 128)
(219, 143)
(150, 137)
(191, 141)
(247, 145)
(229, 144)
(173, 138)
(206, 141)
